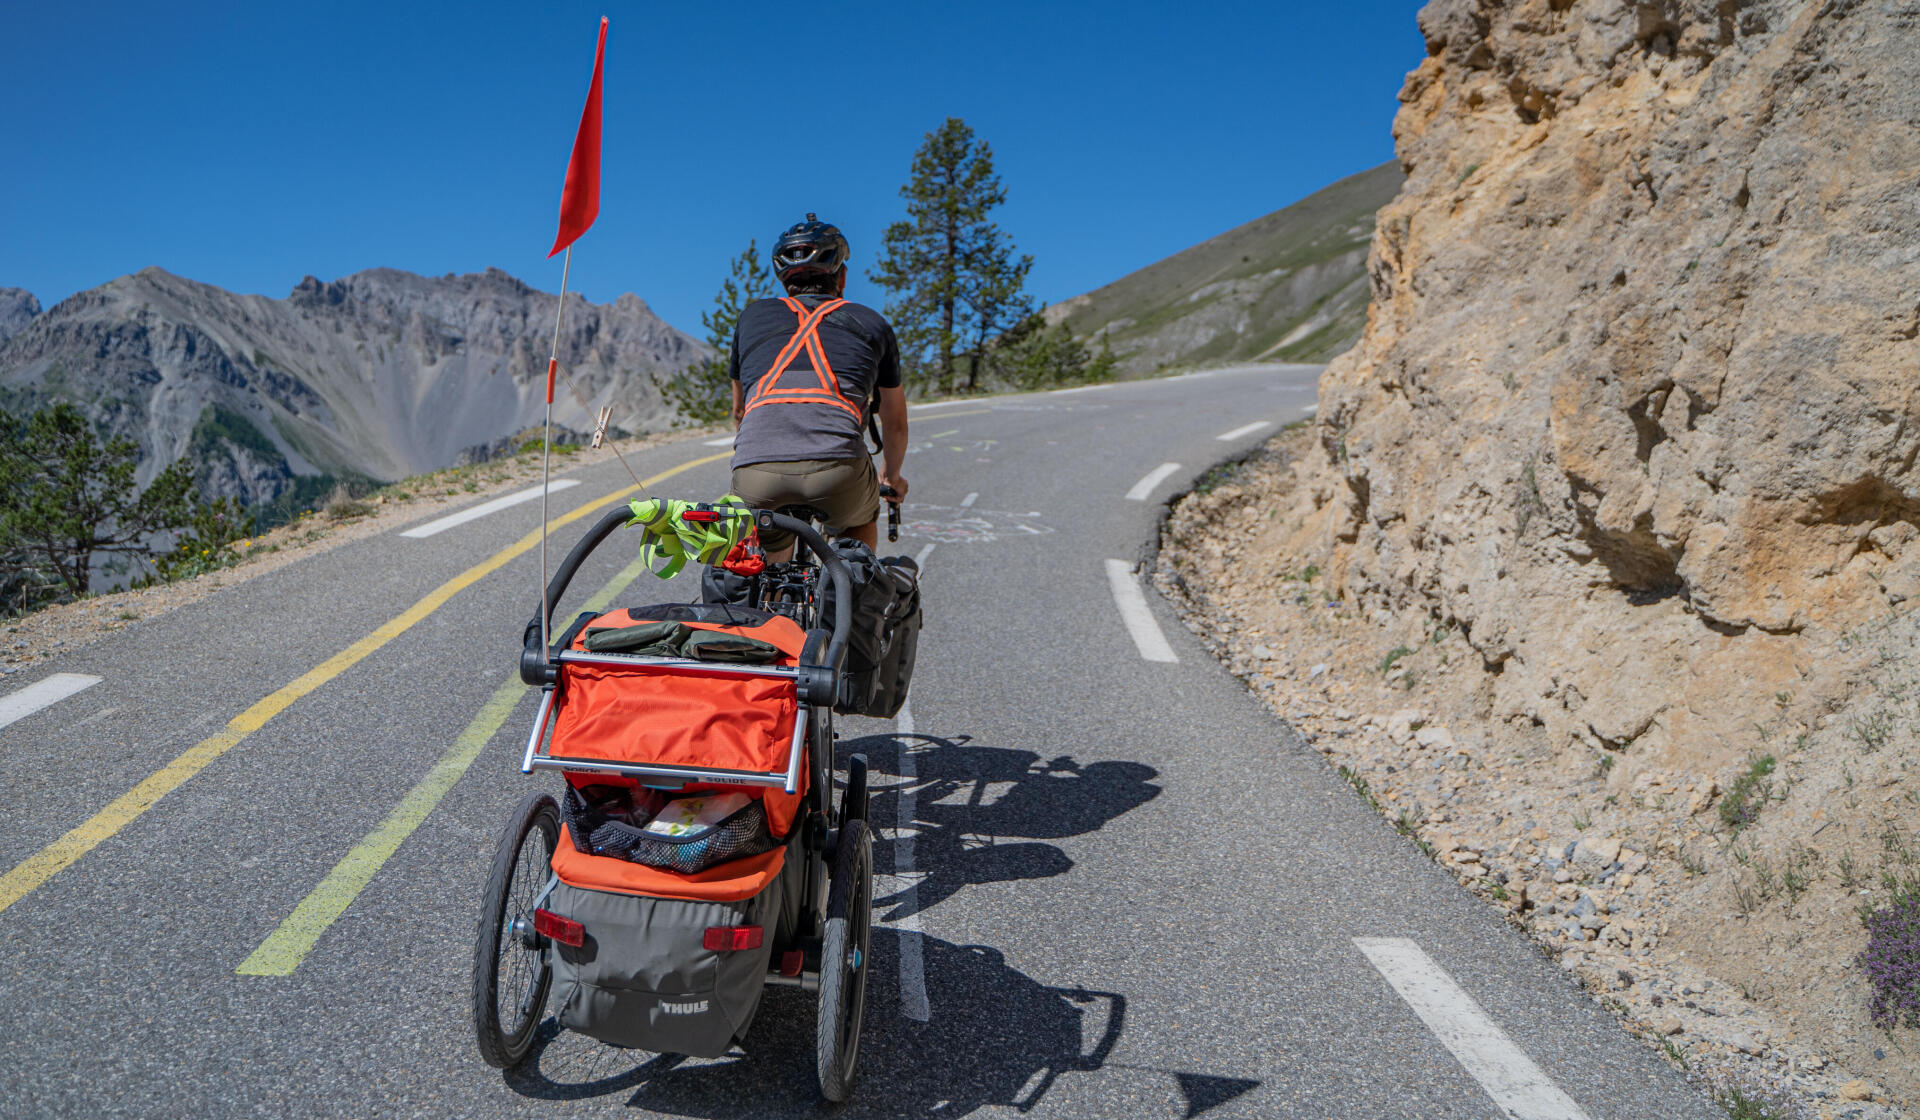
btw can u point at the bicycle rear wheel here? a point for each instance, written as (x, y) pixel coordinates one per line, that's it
(511, 973)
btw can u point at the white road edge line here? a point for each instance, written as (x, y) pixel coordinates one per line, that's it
(942, 404)
(1133, 611)
(969, 499)
(920, 561)
(1243, 430)
(485, 508)
(1154, 478)
(913, 958)
(42, 694)
(1311, 409)
(1517, 1086)
(723, 441)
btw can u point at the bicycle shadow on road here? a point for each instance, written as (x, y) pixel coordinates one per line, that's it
(980, 812)
(997, 1038)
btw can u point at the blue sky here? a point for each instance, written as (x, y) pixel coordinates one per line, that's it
(248, 145)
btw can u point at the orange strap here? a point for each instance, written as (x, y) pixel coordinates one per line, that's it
(805, 337)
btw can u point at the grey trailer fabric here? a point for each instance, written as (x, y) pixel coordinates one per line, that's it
(643, 979)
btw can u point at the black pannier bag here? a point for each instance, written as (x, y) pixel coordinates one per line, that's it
(886, 625)
(895, 670)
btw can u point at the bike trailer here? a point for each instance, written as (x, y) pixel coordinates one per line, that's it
(671, 960)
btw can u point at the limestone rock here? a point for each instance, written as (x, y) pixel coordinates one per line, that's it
(1635, 405)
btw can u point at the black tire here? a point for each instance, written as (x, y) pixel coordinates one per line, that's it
(845, 960)
(505, 966)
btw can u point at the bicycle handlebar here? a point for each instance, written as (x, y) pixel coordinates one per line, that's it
(536, 666)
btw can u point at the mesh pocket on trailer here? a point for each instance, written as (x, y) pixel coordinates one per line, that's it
(739, 834)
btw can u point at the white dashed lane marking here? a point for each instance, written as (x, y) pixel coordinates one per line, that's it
(1132, 602)
(968, 501)
(485, 508)
(1243, 430)
(1154, 478)
(1517, 1086)
(41, 694)
(913, 959)
(723, 441)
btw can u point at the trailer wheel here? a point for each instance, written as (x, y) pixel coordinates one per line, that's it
(845, 960)
(511, 973)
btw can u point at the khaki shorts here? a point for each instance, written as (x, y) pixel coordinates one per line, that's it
(845, 491)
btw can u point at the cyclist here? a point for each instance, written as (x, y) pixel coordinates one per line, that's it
(809, 370)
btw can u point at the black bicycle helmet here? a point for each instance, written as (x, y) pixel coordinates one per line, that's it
(808, 249)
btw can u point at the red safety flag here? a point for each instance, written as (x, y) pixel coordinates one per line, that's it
(580, 198)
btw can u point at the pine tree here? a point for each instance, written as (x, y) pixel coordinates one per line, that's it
(1033, 355)
(948, 269)
(994, 283)
(701, 393)
(66, 499)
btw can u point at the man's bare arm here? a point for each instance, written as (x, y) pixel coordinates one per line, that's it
(739, 405)
(893, 433)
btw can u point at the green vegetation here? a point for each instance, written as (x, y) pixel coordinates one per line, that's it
(1395, 654)
(68, 501)
(1033, 355)
(1741, 806)
(702, 393)
(217, 424)
(954, 282)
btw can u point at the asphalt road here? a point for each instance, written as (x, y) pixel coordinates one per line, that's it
(1115, 886)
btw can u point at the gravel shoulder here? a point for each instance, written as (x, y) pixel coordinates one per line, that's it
(1729, 949)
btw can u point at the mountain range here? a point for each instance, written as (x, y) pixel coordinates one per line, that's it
(378, 375)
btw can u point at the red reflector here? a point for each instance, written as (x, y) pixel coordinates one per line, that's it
(700, 515)
(723, 939)
(566, 931)
(792, 961)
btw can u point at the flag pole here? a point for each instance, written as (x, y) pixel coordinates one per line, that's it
(546, 453)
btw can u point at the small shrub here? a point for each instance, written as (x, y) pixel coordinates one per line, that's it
(1891, 962)
(1747, 1095)
(1741, 806)
(1398, 652)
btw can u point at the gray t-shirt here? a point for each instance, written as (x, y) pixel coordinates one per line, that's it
(863, 355)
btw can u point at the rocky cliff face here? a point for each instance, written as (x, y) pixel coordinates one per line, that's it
(1636, 404)
(17, 308)
(382, 373)
(1636, 416)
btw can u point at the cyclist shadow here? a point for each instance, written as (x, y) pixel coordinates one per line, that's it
(980, 814)
(1018, 1037)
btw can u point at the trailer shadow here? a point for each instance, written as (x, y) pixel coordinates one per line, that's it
(980, 814)
(997, 1039)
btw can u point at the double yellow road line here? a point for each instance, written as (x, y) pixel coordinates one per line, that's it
(30, 873)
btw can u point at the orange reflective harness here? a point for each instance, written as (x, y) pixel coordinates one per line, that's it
(806, 337)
